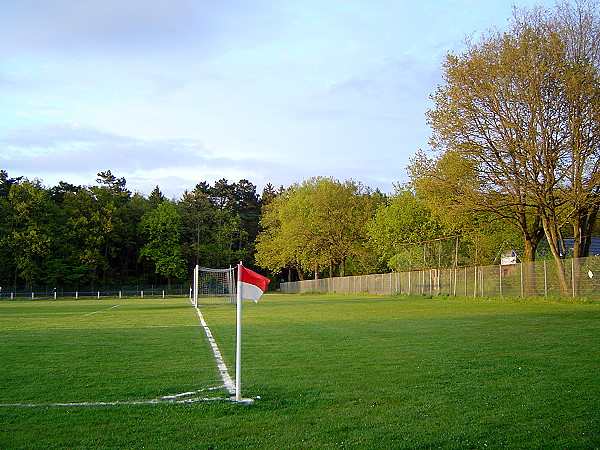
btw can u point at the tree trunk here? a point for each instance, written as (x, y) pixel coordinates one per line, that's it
(582, 234)
(529, 249)
(532, 233)
(556, 244)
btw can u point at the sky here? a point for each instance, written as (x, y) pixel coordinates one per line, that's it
(171, 93)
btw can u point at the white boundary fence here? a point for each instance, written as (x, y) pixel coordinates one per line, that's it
(45, 294)
(537, 279)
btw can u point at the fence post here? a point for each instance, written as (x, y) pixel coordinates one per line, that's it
(545, 280)
(500, 272)
(481, 281)
(573, 277)
(455, 280)
(430, 283)
(522, 282)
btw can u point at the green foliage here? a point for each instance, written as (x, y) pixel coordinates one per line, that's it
(318, 223)
(220, 223)
(403, 219)
(162, 227)
(69, 236)
(516, 120)
(30, 229)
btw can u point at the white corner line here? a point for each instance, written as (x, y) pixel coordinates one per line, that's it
(227, 381)
(101, 310)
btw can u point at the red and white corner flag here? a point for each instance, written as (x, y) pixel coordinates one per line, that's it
(251, 285)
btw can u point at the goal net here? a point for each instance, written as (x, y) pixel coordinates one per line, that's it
(213, 287)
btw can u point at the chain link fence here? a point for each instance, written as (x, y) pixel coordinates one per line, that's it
(581, 278)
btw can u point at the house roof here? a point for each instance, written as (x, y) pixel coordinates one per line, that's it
(594, 246)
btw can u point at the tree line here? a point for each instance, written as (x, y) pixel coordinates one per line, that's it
(70, 236)
(516, 131)
(516, 135)
(104, 234)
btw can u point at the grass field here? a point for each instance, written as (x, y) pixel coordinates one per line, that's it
(330, 370)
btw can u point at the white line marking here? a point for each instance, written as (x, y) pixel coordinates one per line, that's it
(119, 403)
(188, 394)
(176, 399)
(112, 307)
(227, 381)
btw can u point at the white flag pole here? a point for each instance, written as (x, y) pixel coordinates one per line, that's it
(238, 345)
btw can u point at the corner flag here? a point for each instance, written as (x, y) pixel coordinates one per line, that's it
(251, 285)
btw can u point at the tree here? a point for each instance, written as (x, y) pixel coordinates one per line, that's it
(246, 208)
(61, 190)
(162, 227)
(280, 243)
(519, 116)
(450, 186)
(337, 220)
(79, 236)
(6, 183)
(31, 231)
(84, 238)
(127, 260)
(116, 185)
(156, 197)
(404, 219)
(320, 222)
(7, 263)
(268, 194)
(220, 222)
(196, 211)
(112, 198)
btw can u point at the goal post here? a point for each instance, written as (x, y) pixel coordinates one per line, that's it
(213, 286)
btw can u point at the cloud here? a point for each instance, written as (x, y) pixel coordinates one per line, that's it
(70, 23)
(173, 92)
(75, 154)
(68, 149)
(137, 28)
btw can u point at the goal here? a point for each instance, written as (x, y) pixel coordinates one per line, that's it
(213, 287)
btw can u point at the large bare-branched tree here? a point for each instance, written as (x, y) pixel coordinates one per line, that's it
(518, 117)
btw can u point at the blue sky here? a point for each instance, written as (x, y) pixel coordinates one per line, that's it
(174, 92)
